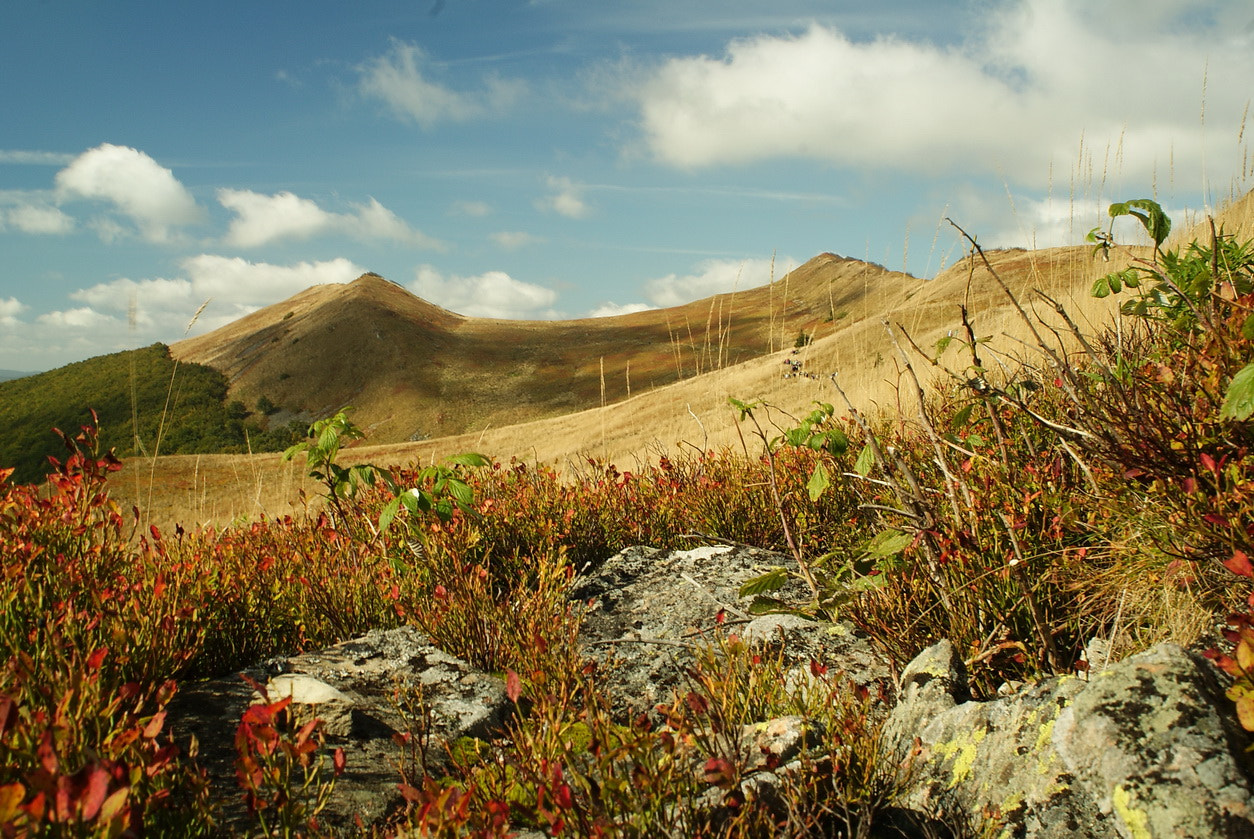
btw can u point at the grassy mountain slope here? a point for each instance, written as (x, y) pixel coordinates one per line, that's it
(142, 404)
(415, 371)
(690, 411)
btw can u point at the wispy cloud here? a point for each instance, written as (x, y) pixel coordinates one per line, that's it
(400, 79)
(473, 209)
(514, 239)
(35, 158)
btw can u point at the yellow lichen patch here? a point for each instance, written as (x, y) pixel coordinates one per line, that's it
(963, 751)
(1135, 820)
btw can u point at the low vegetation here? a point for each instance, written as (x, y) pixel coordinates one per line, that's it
(1100, 486)
(145, 404)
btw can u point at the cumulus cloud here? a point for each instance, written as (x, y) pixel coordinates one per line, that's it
(36, 218)
(713, 276)
(77, 319)
(492, 294)
(1034, 78)
(261, 219)
(513, 239)
(399, 79)
(566, 198)
(233, 287)
(136, 185)
(260, 283)
(9, 310)
(611, 309)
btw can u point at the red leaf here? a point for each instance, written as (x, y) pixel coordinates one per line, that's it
(513, 686)
(1240, 565)
(409, 793)
(1209, 463)
(97, 658)
(719, 772)
(47, 755)
(154, 725)
(338, 761)
(94, 795)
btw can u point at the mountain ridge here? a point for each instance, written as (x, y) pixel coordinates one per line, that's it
(414, 370)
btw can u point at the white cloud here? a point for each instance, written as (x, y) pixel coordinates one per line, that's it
(135, 184)
(76, 319)
(1034, 78)
(566, 198)
(492, 294)
(238, 281)
(612, 309)
(9, 310)
(264, 218)
(398, 79)
(233, 287)
(210, 292)
(36, 218)
(261, 219)
(713, 276)
(35, 158)
(512, 239)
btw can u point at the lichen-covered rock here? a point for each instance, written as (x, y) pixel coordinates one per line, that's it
(1142, 750)
(360, 689)
(650, 608)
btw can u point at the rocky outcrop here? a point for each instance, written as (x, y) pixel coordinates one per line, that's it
(650, 608)
(1143, 748)
(366, 692)
(1140, 749)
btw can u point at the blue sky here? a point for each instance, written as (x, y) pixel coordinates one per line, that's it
(564, 158)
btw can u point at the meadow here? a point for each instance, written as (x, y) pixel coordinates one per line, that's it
(1097, 484)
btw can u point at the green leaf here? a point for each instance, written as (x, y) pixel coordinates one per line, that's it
(837, 442)
(865, 461)
(745, 408)
(768, 605)
(772, 580)
(943, 344)
(388, 514)
(888, 543)
(1239, 400)
(1153, 219)
(461, 492)
(472, 459)
(797, 437)
(962, 417)
(819, 482)
(1247, 328)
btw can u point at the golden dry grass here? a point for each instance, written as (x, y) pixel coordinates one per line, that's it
(658, 418)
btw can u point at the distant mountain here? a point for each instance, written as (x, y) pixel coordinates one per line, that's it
(6, 375)
(415, 371)
(145, 402)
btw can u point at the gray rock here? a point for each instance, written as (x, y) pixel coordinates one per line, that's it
(1142, 750)
(360, 689)
(650, 609)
